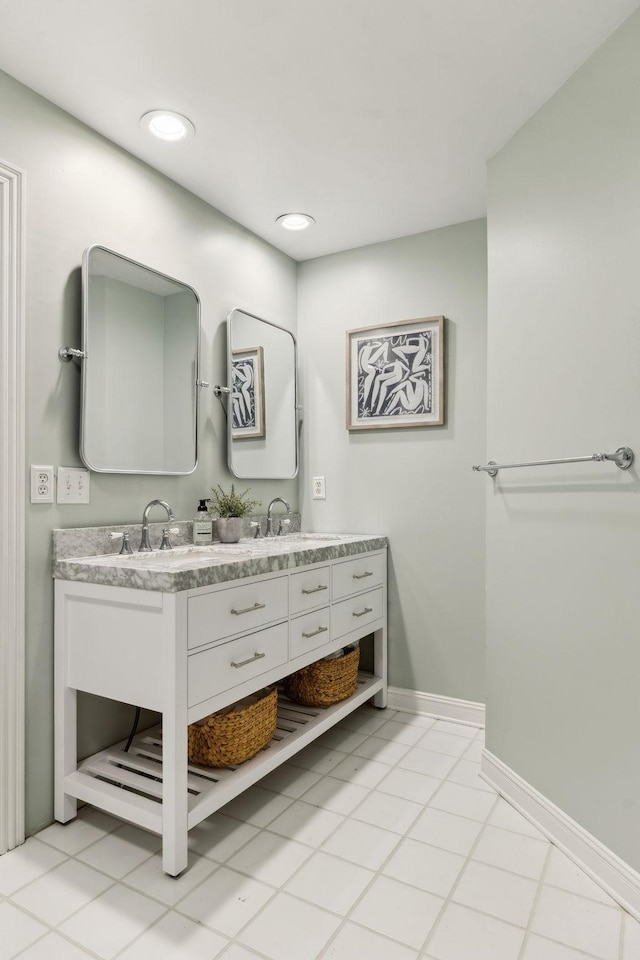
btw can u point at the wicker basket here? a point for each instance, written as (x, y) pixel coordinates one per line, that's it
(228, 738)
(324, 682)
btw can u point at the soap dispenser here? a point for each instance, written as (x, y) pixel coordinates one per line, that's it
(202, 524)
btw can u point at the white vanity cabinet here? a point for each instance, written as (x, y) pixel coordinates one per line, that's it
(190, 652)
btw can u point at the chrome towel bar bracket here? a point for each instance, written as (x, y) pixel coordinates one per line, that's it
(623, 458)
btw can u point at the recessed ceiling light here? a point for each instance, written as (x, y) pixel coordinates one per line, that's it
(167, 125)
(295, 221)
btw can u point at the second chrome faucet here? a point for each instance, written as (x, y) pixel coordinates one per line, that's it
(284, 523)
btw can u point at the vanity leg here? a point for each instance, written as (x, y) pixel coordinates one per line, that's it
(65, 720)
(174, 745)
(380, 664)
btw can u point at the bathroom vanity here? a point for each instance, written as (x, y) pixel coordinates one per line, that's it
(188, 632)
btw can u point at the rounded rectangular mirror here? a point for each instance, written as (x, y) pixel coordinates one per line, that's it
(140, 339)
(262, 413)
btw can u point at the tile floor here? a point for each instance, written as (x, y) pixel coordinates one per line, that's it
(379, 841)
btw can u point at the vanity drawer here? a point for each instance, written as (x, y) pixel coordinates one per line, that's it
(361, 573)
(244, 607)
(230, 664)
(309, 631)
(357, 612)
(309, 589)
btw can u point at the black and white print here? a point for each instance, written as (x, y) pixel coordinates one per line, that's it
(395, 376)
(247, 394)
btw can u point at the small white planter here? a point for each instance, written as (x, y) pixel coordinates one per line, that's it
(229, 529)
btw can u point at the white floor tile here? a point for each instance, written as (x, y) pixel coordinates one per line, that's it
(90, 825)
(507, 817)
(341, 739)
(463, 801)
(270, 858)
(468, 774)
(26, 863)
(111, 922)
(362, 843)
(496, 892)
(456, 729)
(389, 812)
(631, 939)
(446, 830)
(288, 929)
(463, 934)
(329, 882)
(219, 837)
(444, 743)
(578, 922)
(319, 759)
(366, 720)
(474, 751)
(237, 952)
(290, 781)
(226, 901)
(512, 851)
(356, 943)
(306, 823)
(257, 806)
(410, 785)
(53, 947)
(384, 751)
(398, 911)
(59, 893)
(18, 930)
(150, 879)
(341, 796)
(359, 770)
(538, 948)
(414, 720)
(175, 938)
(400, 733)
(563, 872)
(121, 851)
(424, 866)
(426, 761)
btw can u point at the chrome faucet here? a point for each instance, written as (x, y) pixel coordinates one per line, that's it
(275, 500)
(145, 546)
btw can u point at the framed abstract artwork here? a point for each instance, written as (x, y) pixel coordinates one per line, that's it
(247, 394)
(395, 375)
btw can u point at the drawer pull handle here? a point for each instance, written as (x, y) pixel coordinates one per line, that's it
(361, 576)
(243, 663)
(362, 612)
(314, 633)
(315, 589)
(256, 606)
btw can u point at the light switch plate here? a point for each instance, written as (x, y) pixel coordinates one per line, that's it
(74, 485)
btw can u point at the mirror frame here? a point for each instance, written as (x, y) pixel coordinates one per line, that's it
(296, 403)
(85, 340)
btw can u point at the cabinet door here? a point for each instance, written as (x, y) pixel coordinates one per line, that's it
(309, 589)
(309, 631)
(360, 573)
(236, 609)
(356, 613)
(229, 664)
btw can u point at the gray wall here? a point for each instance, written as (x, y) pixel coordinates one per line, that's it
(563, 604)
(81, 190)
(415, 485)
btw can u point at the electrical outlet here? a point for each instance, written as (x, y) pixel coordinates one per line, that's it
(41, 484)
(319, 488)
(73, 485)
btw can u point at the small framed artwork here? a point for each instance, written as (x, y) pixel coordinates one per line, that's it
(247, 394)
(395, 375)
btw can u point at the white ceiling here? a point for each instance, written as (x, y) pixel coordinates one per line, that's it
(375, 116)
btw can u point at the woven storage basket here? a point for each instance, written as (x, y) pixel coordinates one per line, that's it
(226, 739)
(324, 682)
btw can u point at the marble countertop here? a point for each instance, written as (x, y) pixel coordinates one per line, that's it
(187, 567)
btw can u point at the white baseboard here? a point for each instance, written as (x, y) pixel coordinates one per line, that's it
(433, 705)
(615, 876)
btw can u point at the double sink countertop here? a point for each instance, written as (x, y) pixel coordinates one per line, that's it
(188, 566)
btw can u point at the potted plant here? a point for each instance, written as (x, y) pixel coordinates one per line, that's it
(230, 508)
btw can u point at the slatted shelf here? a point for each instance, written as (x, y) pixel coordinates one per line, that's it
(130, 784)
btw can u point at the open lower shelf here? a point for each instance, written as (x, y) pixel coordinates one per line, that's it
(129, 785)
